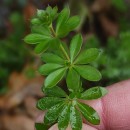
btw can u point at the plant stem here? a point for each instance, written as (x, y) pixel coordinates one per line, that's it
(61, 46)
(52, 30)
(64, 52)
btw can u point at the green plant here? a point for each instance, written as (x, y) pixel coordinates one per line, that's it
(48, 30)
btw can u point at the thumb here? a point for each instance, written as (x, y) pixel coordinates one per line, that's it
(114, 108)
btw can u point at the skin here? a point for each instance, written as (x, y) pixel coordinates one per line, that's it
(114, 109)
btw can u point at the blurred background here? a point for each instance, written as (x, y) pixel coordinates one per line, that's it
(104, 24)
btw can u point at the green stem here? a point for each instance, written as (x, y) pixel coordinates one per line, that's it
(64, 52)
(61, 46)
(52, 30)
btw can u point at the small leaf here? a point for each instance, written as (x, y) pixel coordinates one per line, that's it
(75, 95)
(48, 102)
(44, 30)
(55, 92)
(49, 9)
(62, 18)
(35, 38)
(73, 80)
(89, 113)
(41, 13)
(75, 119)
(64, 118)
(42, 47)
(87, 56)
(54, 78)
(36, 21)
(94, 93)
(55, 43)
(48, 68)
(52, 58)
(88, 72)
(52, 12)
(75, 46)
(53, 113)
(41, 126)
(63, 31)
(73, 22)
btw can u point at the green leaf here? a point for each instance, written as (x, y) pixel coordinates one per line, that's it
(52, 58)
(43, 29)
(62, 18)
(36, 21)
(73, 80)
(73, 22)
(63, 31)
(55, 92)
(75, 46)
(75, 95)
(87, 56)
(53, 12)
(41, 126)
(54, 78)
(42, 47)
(55, 43)
(89, 113)
(64, 118)
(53, 113)
(48, 68)
(94, 93)
(48, 102)
(88, 72)
(35, 38)
(75, 119)
(41, 13)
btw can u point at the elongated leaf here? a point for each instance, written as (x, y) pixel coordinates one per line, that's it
(53, 13)
(54, 78)
(63, 31)
(64, 118)
(53, 113)
(75, 46)
(75, 95)
(43, 29)
(75, 119)
(73, 22)
(73, 80)
(87, 56)
(55, 92)
(41, 13)
(36, 21)
(48, 102)
(94, 93)
(35, 38)
(41, 126)
(89, 113)
(62, 18)
(55, 43)
(41, 47)
(88, 72)
(48, 68)
(52, 58)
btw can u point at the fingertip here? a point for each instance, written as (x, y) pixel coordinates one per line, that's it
(40, 117)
